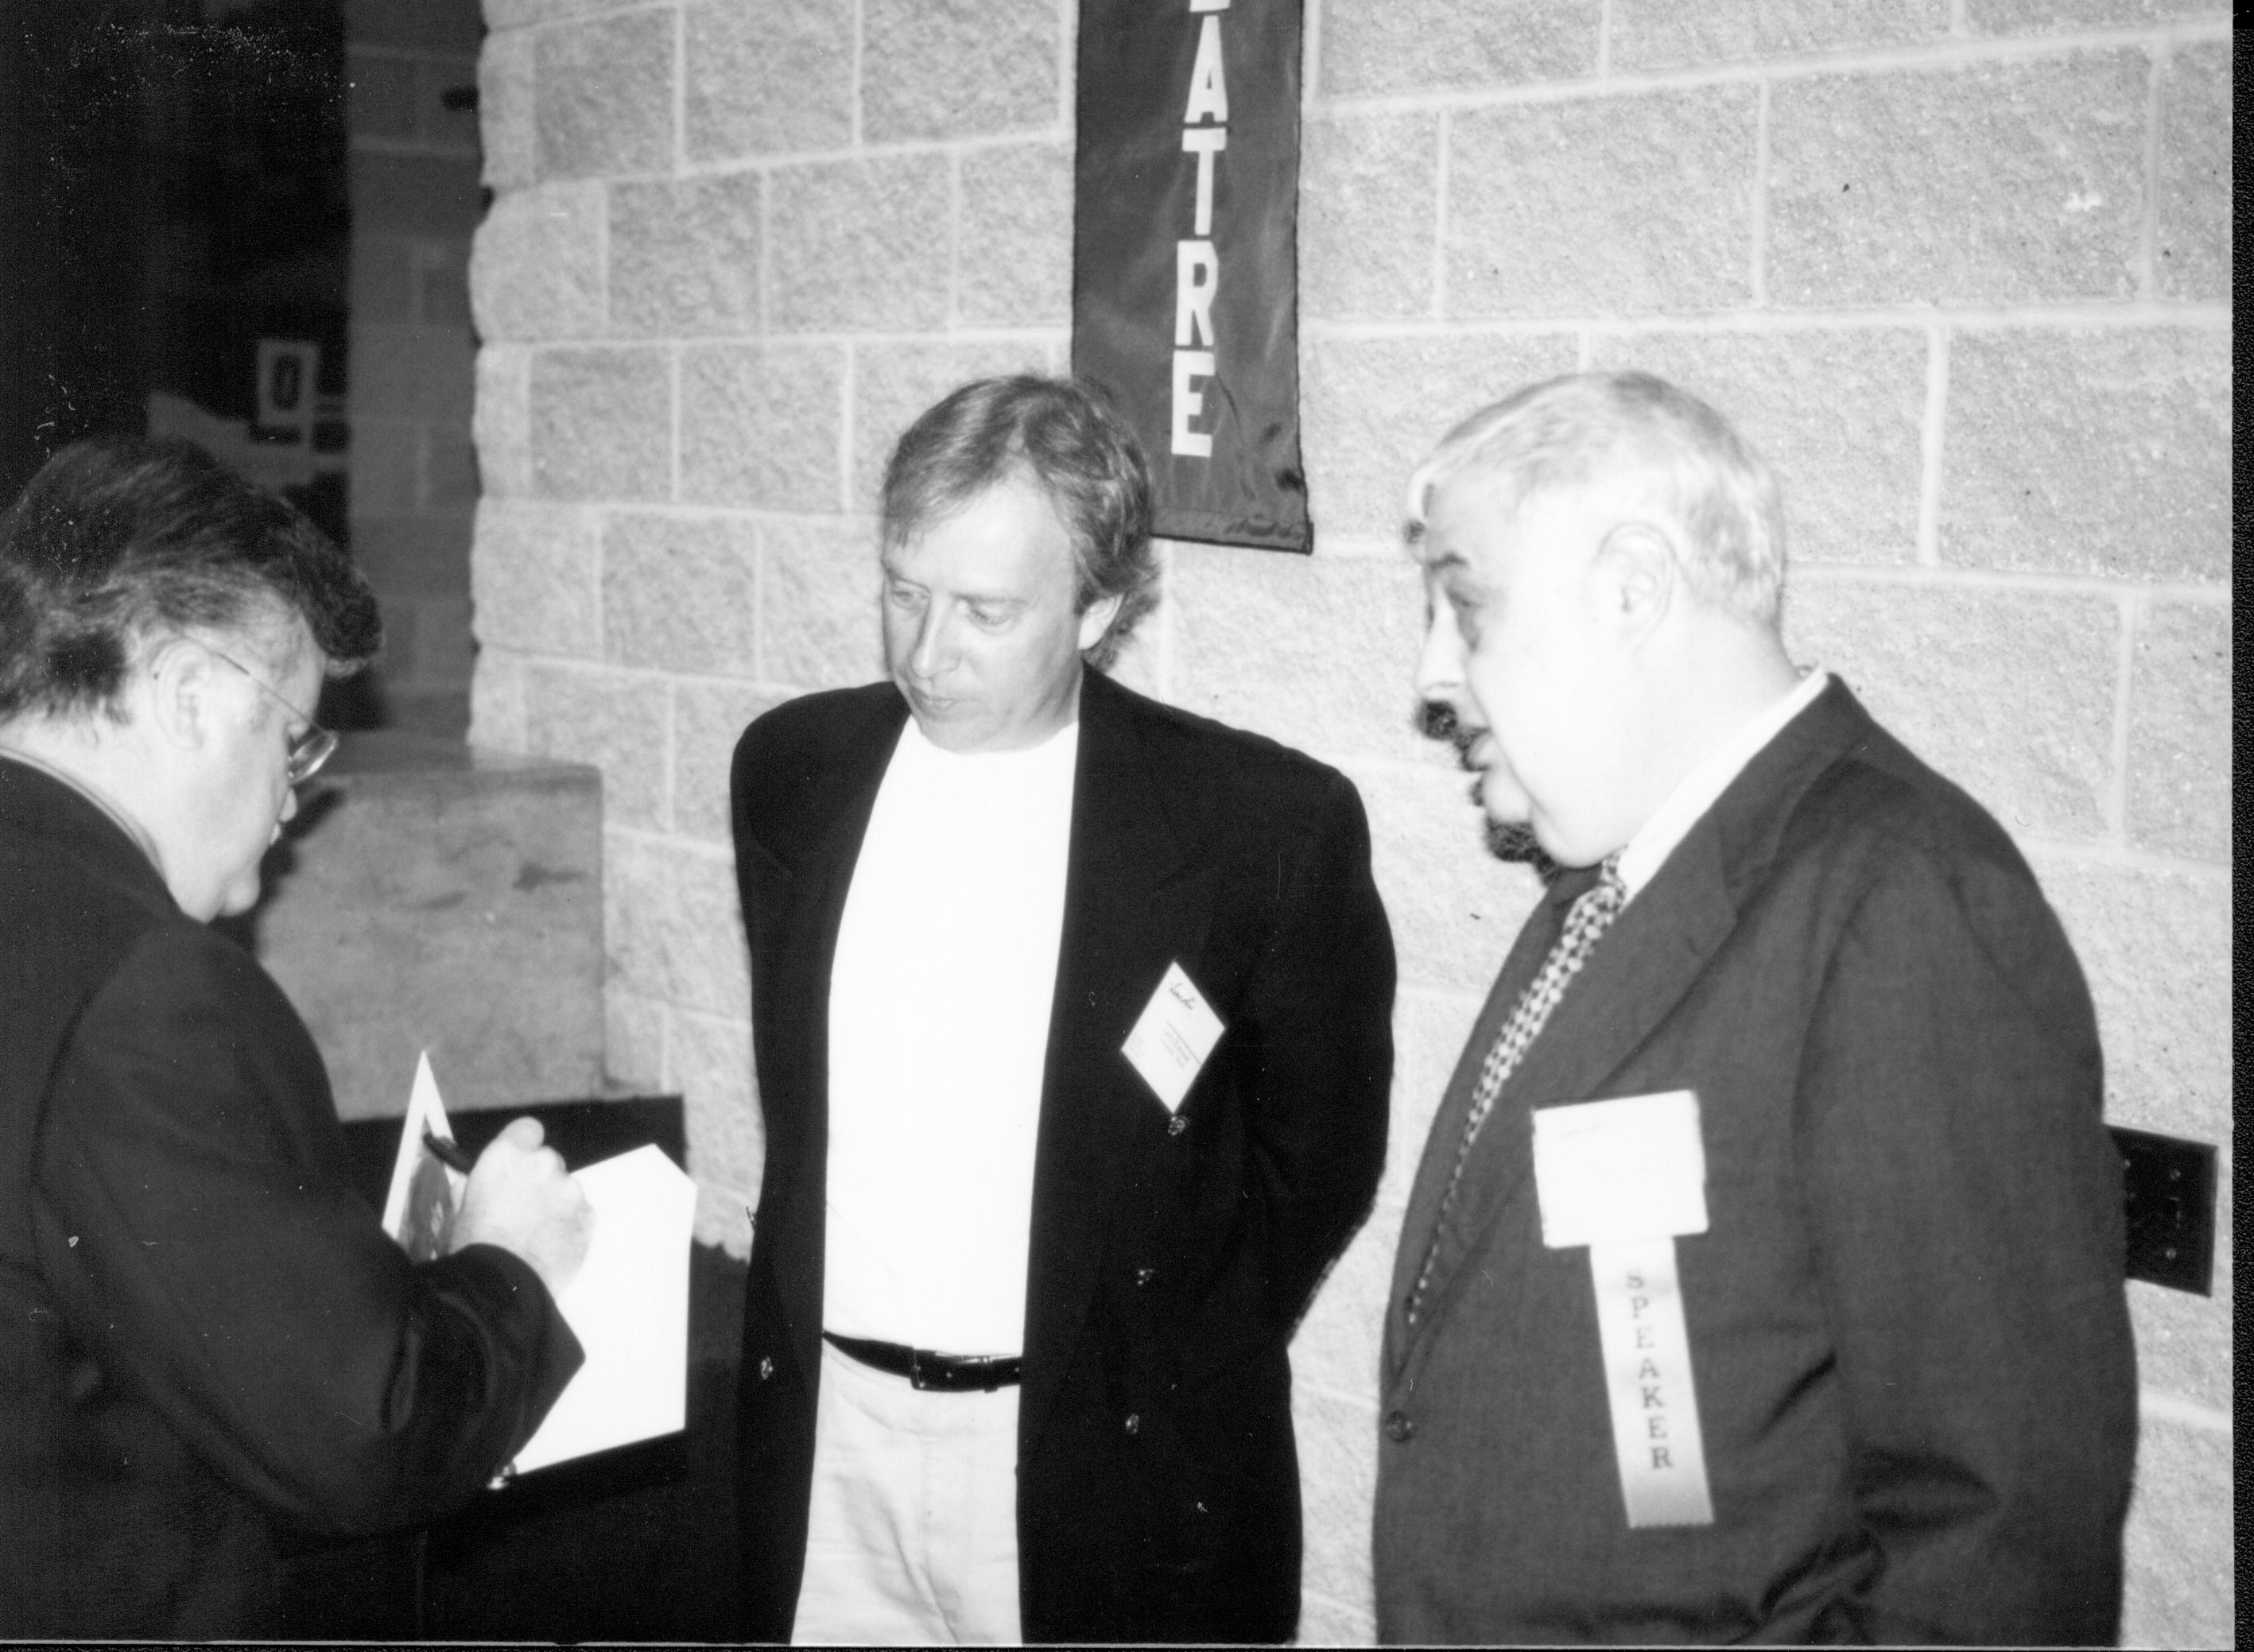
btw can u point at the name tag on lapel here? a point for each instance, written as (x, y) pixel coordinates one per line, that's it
(1626, 1178)
(1177, 1032)
(1633, 1168)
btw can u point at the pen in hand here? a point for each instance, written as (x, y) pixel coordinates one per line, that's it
(446, 1152)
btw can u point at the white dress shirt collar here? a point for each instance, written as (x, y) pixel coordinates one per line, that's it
(1696, 792)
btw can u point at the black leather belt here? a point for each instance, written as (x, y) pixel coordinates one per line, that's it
(945, 1373)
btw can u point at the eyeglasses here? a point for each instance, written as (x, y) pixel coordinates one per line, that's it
(310, 750)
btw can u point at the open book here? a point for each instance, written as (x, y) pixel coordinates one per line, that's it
(629, 1305)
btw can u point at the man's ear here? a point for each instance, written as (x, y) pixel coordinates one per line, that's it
(1639, 579)
(1096, 619)
(177, 683)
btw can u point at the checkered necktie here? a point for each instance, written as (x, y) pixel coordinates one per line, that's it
(1592, 914)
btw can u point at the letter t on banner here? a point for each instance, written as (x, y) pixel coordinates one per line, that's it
(1185, 275)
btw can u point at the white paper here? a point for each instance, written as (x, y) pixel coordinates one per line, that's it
(1177, 1032)
(419, 1209)
(1633, 1168)
(1656, 1441)
(629, 1306)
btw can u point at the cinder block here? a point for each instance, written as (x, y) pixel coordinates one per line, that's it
(447, 900)
(497, 701)
(1665, 34)
(1324, 1621)
(602, 424)
(414, 194)
(1014, 252)
(893, 383)
(1371, 47)
(386, 466)
(1617, 204)
(2181, 1559)
(711, 1064)
(1318, 653)
(414, 555)
(957, 68)
(708, 719)
(768, 77)
(378, 96)
(2010, 694)
(616, 722)
(537, 265)
(680, 594)
(1372, 408)
(2105, 453)
(1996, 184)
(435, 121)
(761, 425)
(382, 281)
(535, 575)
(724, 1218)
(634, 1040)
(2155, 945)
(1454, 908)
(505, 122)
(1336, 1346)
(603, 98)
(2020, 17)
(860, 244)
(2193, 246)
(1839, 416)
(1338, 1487)
(420, 372)
(1368, 189)
(1429, 1031)
(502, 422)
(535, 578)
(672, 929)
(2183, 1341)
(818, 624)
(2179, 728)
(445, 654)
(685, 258)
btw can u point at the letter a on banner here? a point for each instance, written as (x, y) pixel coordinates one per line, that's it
(1185, 275)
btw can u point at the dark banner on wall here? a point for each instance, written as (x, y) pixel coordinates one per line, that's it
(1185, 277)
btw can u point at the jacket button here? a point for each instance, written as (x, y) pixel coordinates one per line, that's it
(1399, 1425)
(1144, 1275)
(767, 1367)
(1134, 1422)
(1177, 1124)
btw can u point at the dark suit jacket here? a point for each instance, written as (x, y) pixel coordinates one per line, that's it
(1158, 1486)
(203, 1331)
(1910, 1342)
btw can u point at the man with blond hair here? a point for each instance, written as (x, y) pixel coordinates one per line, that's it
(1762, 1278)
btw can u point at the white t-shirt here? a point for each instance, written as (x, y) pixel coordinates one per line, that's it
(939, 1022)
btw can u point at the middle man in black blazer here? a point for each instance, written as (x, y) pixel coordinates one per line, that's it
(1072, 1018)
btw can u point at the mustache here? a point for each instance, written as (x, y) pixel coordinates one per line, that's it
(1436, 720)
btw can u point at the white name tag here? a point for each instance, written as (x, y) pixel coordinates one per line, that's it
(1656, 1438)
(1633, 1168)
(1177, 1032)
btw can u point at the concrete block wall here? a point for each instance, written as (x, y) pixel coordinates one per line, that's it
(415, 201)
(1960, 267)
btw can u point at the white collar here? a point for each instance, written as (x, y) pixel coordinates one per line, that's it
(1696, 792)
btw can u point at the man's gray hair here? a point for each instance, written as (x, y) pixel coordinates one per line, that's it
(1659, 445)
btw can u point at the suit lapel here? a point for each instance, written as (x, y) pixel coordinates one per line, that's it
(816, 850)
(1131, 906)
(1652, 956)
